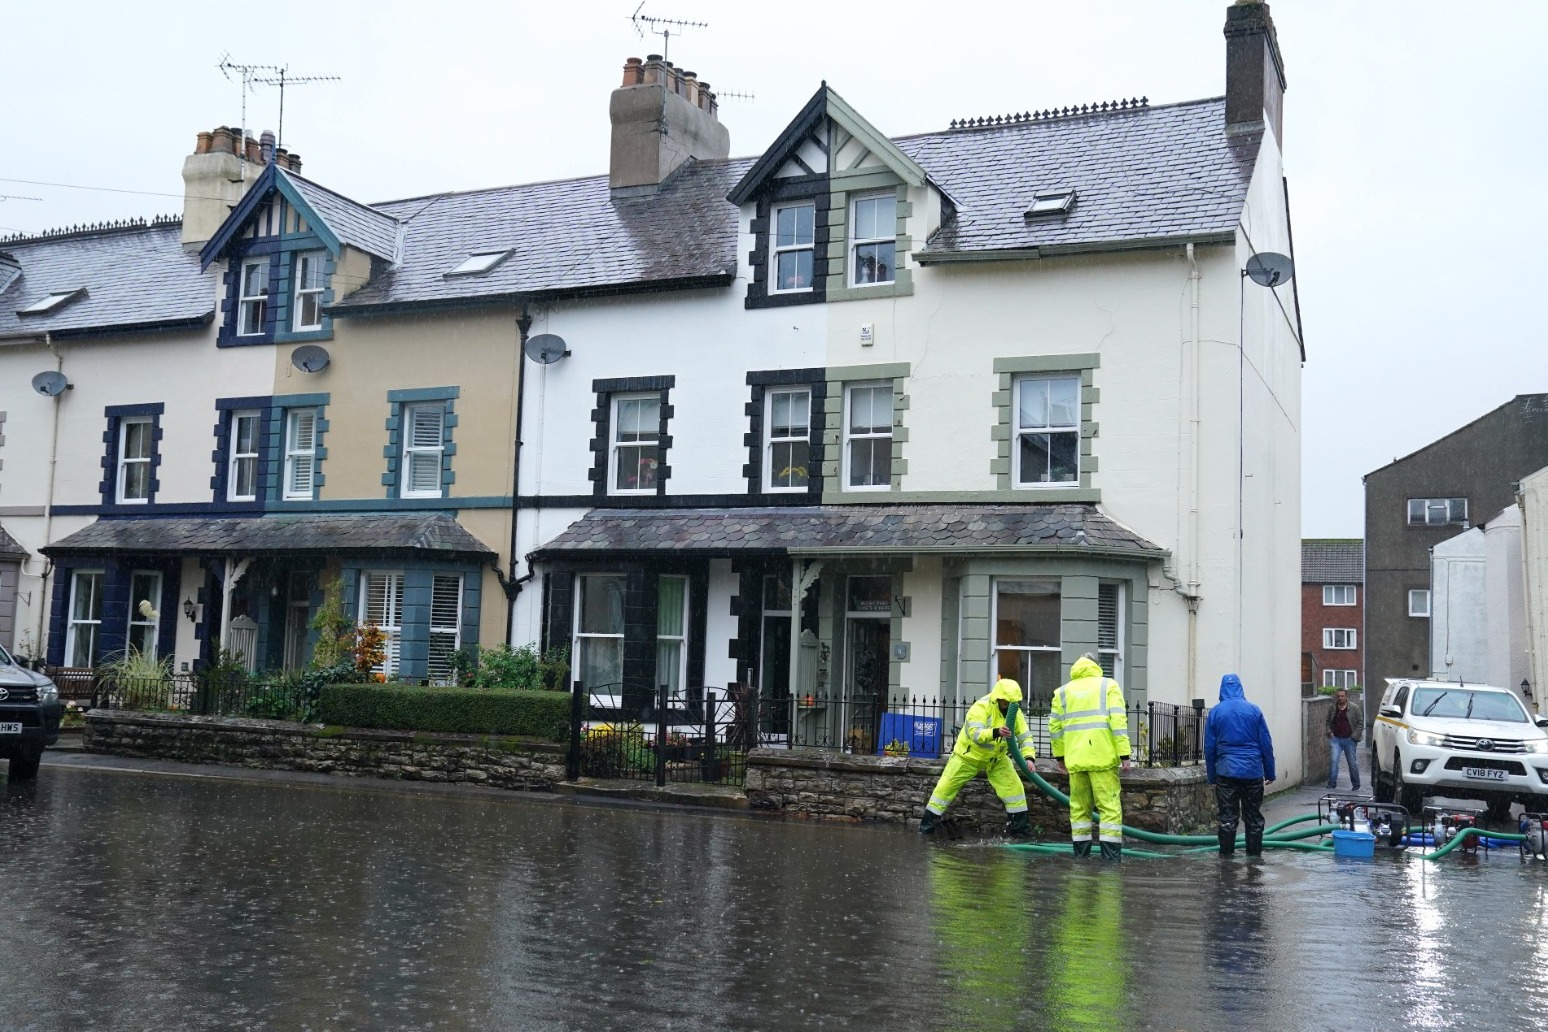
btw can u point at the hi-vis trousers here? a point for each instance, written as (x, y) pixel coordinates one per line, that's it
(1002, 778)
(1099, 788)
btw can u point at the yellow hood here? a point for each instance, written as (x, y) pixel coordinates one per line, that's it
(1084, 668)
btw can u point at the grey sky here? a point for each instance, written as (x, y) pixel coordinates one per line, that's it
(1416, 136)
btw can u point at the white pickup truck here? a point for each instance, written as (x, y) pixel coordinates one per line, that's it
(1446, 738)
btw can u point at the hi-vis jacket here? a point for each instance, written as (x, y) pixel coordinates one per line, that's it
(977, 741)
(1088, 726)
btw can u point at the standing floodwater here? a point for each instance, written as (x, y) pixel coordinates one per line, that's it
(140, 901)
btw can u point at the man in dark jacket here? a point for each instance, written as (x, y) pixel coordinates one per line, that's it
(1345, 725)
(1238, 759)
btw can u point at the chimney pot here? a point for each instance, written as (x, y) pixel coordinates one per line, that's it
(633, 73)
(266, 146)
(224, 141)
(202, 142)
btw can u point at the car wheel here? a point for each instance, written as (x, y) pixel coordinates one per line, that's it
(1408, 797)
(24, 767)
(1381, 789)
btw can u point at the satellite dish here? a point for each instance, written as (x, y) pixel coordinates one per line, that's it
(1269, 269)
(546, 348)
(310, 358)
(50, 384)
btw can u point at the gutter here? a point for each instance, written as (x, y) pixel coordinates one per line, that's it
(1021, 254)
(164, 326)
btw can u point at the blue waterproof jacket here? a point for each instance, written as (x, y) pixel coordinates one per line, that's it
(1236, 737)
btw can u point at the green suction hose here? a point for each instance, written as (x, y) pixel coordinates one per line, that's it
(1468, 832)
(1212, 841)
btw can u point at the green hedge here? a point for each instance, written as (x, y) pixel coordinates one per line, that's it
(492, 711)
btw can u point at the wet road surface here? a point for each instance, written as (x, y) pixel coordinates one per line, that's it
(177, 900)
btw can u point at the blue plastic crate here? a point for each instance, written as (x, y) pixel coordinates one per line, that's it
(1358, 845)
(923, 734)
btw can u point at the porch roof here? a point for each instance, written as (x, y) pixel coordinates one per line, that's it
(398, 534)
(855, 529)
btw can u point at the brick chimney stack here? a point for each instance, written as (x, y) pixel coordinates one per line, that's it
(661, 118)
(214, 179)
(1255, 72)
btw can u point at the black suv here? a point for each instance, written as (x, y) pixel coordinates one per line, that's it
(29, 716)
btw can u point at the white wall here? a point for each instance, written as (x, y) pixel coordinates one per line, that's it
(1505, 601)
(1459, 623)
(1532, 498)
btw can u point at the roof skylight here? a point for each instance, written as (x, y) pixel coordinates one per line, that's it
(49, 302)
(479, 262)
(1051, 202)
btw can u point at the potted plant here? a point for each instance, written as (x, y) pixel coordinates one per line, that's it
(896, 747)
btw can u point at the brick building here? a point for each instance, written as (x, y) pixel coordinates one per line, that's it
(1332, 612)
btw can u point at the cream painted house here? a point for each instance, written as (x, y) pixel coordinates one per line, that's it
(957, 405)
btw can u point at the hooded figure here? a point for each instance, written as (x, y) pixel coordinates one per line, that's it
(1238, 759)
(983, 746)
(1088, 730)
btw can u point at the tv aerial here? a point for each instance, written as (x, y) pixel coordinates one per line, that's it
(545, 348)
(1270, 269)
(50, 383)
(644, 23)
(264, 75)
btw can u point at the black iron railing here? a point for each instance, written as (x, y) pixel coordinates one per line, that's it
(701, 735)
(1160, 734)
(281, 698)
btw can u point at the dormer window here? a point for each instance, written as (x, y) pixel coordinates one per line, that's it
(479, 262)
(793, 244)
(253, 303)
(309, 290)
(52, 301)
(873, 240)
(1051, 202)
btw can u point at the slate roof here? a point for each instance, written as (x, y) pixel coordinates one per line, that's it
(134, 278)
(358, 225)
(1150, 173)
(1333, 561)
(409, 534)
(568, 236)
(9, 546)
(848, 528)
(1142, 175)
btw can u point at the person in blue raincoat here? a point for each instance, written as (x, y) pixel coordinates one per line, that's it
(1238, 760)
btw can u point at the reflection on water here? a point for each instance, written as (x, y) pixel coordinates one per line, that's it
(132, 901)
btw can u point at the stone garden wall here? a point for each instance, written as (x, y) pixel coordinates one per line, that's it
(500, 762)
(817, 783)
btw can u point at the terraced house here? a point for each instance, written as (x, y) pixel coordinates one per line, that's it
(858, 418)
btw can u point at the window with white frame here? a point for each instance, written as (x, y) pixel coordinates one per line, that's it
(636, 451)
(873, 240)
(1110, 629)
(1436, 512)
(1338, 594)
(1338, 638)
(672, 635)
(445, 627)
(309, 290)
(1027, 633)
(134, 459)
(1047, 445)
(792, 244)
(1339, 679)
(253, 298)
(789, 421)
(85, 618)
(599, 631)
(381, 606)
(868, 436)
(300, 454)
(144, 611)
(1419, 602)
(242, 461)
(424, 445)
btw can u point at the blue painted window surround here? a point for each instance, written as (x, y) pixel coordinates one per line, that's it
(420, 449)
(131, 455)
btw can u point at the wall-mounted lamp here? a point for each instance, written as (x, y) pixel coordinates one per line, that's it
(1526, 687)
(188, 608)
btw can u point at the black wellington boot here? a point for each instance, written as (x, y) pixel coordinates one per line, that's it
(1227, 842)
(927, 822)
(1254, 842)
(1112, 851)
(1082, 848)
(1019, 825)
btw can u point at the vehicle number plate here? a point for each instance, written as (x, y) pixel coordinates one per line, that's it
(1486, 773)
(10, 728)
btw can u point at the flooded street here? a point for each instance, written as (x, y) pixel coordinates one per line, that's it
(164, 901)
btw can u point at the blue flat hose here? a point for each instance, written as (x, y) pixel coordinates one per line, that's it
(1153, 836)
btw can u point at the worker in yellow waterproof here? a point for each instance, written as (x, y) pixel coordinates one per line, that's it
(1088, 730)
(983, 746)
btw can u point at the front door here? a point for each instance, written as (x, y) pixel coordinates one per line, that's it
(870, 640)
(298, 590)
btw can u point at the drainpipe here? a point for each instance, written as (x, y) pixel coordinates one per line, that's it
(512, 584)
(48, 504)
(1193, 475)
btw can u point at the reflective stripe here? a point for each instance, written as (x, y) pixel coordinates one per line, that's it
(937, 805)
(1085, 713)
(1080, 829)
(1011, 802)
(1089, 724)
(1016, 809)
